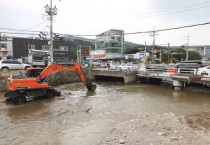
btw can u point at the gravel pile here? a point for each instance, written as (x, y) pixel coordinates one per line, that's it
(159, 129)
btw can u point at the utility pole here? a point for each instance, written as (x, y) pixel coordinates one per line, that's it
(122, 44)
(145, 47)
(153, 34)
(168, 53)
(145, 52)
(79, 54)
(0, 40)
(51, 12)
(188, 40)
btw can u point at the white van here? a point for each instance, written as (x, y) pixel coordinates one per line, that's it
(36, 58)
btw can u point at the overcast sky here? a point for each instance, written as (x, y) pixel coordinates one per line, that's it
(92, 17)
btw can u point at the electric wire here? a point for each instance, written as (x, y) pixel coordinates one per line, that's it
(27, 30)
(34, 26)
(45, 26)
(21, 33)
(163, 12)
(130, 33)
(167, 29)
(4, 8)
(189, 6)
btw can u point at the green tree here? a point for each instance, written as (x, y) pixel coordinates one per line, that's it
(179, 54)
(192, 55)
(165, 57)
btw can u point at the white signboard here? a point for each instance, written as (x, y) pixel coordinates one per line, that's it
(98, 54)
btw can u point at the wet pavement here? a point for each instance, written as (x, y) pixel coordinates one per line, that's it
(83, 117)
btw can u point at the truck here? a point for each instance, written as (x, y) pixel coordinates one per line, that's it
(36, 58)
(34, 83)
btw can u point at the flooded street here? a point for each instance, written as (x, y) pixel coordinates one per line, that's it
(84, 118)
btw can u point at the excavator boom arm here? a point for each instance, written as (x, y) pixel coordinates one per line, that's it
(73, 67)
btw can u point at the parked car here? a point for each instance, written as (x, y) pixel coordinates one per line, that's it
(157, 67)
(188, 67)
(128, 66)
(190, 64)
(112, 65)
(192, 61)
(142, 67)
(12, 65)
(204, 71)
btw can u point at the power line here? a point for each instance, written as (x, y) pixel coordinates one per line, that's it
(180, 11)
(14, 10)
(20, 14)
(141, 32)
(160, 30)
(34, 26)
(21, 33)
(131, 33)
(45, 26)
(189, 6)
(166, 12)
(27, 30)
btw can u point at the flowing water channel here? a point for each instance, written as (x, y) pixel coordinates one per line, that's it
(84, 118)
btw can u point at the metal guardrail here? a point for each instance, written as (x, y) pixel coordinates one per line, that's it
(179, 70)
(156, 69)
(187, 70)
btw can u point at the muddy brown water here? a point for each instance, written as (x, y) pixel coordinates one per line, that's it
(84, 118)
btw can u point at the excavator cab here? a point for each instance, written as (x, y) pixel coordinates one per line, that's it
(33, 72)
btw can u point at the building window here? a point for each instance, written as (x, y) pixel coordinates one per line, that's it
(45, 47)
(64, 48)
(55, 59)
(3, 45)
(30, 46)
(56, 48)
(63, 58)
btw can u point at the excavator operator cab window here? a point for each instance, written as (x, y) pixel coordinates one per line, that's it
(33, 72)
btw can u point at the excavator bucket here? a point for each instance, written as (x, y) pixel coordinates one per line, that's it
(91, 87)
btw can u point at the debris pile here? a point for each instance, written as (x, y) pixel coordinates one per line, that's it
(159, 129)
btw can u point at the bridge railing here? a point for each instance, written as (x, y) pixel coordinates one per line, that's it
(156, 69)
(187, 70)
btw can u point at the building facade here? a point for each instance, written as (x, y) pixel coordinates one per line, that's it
(20, 47)
(3, 46)
(112, 41)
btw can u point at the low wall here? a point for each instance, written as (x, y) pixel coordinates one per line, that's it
(128, 76)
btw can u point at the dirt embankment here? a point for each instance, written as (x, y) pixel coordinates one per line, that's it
(162, 129)
(199, 121)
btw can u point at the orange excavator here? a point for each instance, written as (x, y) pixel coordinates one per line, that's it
(34, 83)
